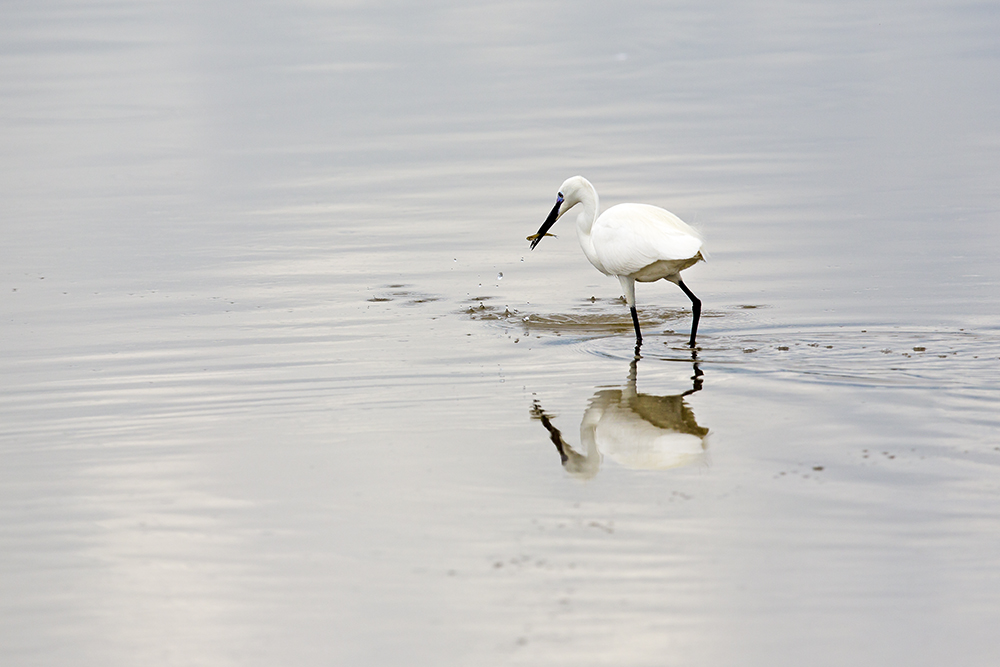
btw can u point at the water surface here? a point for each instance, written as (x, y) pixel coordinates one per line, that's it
(277, 354)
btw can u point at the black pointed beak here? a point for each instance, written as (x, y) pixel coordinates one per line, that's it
(549, 221)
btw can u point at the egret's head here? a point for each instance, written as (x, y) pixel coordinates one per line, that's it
(568, 197)
(573, 190)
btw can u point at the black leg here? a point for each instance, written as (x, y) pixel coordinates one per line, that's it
(635, 321)
(695, 309)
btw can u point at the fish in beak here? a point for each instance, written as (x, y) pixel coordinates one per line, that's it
(549, 221)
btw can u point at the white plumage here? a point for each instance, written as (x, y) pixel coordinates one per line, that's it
(635, 242)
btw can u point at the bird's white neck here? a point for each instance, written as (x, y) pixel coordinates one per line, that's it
(585, 218)
(587, 214)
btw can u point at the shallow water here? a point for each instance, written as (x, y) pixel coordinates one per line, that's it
(278, 357)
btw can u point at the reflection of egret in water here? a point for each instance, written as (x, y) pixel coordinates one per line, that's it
(635, 430)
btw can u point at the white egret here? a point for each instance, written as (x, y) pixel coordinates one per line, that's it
(633, 242)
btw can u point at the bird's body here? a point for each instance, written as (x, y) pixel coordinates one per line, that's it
(634, 242)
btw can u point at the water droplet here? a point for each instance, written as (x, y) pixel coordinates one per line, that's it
(500, 276)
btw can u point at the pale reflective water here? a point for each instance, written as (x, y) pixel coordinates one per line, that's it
(283, 384)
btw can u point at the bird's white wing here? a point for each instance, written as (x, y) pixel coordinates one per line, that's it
(630, 237)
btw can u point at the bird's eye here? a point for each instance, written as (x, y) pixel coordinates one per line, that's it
(560, 197)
